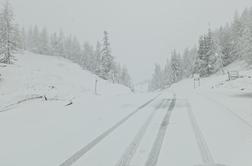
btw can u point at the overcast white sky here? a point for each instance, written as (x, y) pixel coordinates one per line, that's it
(142, 32)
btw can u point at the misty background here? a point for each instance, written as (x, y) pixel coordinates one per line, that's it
(139, 29)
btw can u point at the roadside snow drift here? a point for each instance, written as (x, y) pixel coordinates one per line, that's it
(53, 77)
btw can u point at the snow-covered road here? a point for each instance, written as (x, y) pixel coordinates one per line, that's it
(199, 131)
(202, 126)
(98, 139)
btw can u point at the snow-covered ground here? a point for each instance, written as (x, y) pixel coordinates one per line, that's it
(39, 132)
(209, 125)
(223, 111)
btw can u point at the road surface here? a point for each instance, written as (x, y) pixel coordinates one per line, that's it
(176, 127)
(173, 131)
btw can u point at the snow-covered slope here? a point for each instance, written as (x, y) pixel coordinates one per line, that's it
(234, 93)
(35, 131)
(53, 77)
(220, 80)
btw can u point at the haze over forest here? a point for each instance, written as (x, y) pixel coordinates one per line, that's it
(140, 29)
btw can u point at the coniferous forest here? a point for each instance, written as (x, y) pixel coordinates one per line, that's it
(215, 50)
(97, 59)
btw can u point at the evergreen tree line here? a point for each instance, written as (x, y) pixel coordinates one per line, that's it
(216, 49)
(176, 68)
(9, 34)
(96, 59)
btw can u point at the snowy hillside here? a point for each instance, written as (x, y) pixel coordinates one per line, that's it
(234, 94)
(39, 132)
(219, 81)
(54, 77)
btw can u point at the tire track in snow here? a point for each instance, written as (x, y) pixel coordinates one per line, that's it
(76, 156)
(131, 150)
(206, 155)
(156, 147)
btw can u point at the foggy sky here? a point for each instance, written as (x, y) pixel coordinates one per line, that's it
(142, 32)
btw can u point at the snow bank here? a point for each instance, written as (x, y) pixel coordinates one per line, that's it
(53, 77)
(232, 95)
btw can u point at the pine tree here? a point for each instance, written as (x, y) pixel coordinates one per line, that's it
(125, 78)
(188, 61)
(54, 44)
(58, 46)
(29, 39)
(8, 34)
(107, 58)
(225, 44)
(118, 73)
(97, 55)
(201, 62)
(61, 45)
(207, 60)
(35, 39)
(176, 67)
(88, 58)
(167, 74)
(157, 79)
(246, 45)
(236, 31)
(75, 50)
(211, 56)
(23, 38)
(43, 42)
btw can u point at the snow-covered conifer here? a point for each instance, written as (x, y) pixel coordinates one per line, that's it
(8, 33)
